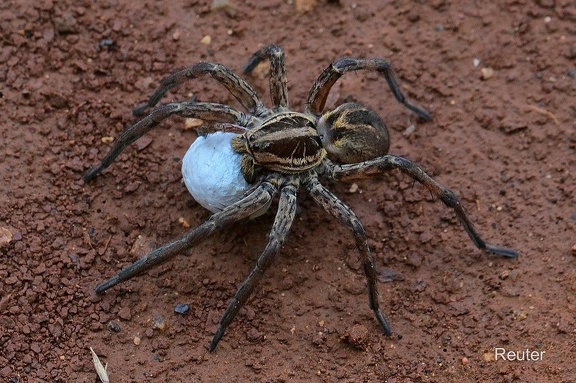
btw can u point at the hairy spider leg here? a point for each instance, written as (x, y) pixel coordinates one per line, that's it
(278, 78)
(321, 88)
(239, 88)
(205, 111)
(245, 208)
(287, 205)
(384, 164)
(332, 204)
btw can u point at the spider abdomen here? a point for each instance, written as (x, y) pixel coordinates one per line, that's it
(353, 133)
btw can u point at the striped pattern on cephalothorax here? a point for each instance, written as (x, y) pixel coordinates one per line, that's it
(287, 142)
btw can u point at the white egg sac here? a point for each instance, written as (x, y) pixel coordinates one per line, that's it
(211, 171)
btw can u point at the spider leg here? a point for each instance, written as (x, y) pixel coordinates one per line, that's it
(321, 88)
(284, 217)
(278, 78)
(384, 164)
(245, 208)
(202, 110)
(239, 88)
(329, 202)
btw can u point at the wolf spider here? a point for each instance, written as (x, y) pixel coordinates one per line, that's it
(283, 151)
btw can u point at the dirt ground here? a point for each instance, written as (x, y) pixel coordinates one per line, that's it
(499, 78)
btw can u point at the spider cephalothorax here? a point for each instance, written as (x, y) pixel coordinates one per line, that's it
(283, 151)
(287, 142)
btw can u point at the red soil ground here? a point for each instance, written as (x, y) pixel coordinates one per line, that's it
(499, 79)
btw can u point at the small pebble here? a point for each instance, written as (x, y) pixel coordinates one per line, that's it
(5, 236)
(142, 143)
(421, 285)
(108, 44)
(158, 323)
(219, 4)
(137, 340)
(182, 221)
(388, 275)
(409, 130)
(486, 73)
(206, 40)
(107, 140)
(357, 336)
(113, 326)
(181, 308)
(125, 313)
(304, 6)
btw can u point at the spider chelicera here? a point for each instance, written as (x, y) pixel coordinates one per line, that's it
(283, 151)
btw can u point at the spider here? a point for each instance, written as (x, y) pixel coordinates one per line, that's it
(283, 151)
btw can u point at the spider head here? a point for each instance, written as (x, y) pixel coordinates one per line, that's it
(353, 133)
(286, 142)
